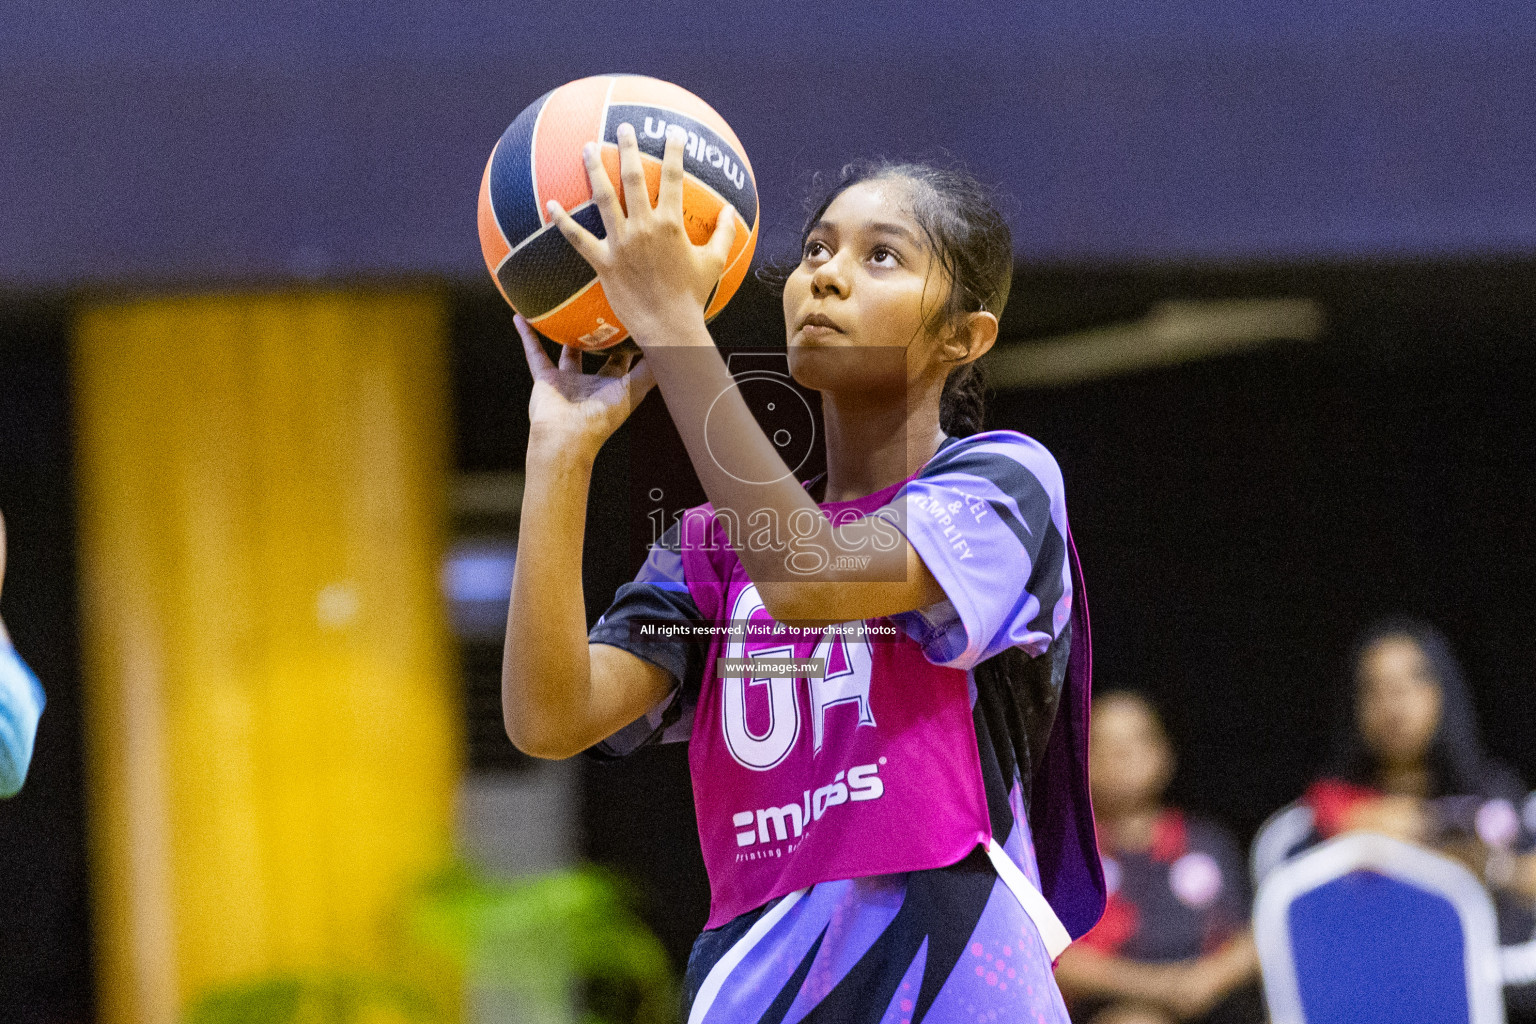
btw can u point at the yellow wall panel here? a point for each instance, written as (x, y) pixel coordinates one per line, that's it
(272, 731)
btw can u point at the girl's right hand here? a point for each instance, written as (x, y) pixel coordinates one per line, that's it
(579, 411)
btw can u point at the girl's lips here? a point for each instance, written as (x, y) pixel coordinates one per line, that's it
(817, 323)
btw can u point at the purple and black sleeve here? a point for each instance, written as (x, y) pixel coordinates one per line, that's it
(641, 620)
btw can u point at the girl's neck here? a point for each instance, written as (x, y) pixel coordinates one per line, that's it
(872, 444)
(1129, 831)
(1404, 780)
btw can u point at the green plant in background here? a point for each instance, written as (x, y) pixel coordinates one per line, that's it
(537, 938)
(315, 999)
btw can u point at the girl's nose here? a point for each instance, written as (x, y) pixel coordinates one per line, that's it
(829, 279)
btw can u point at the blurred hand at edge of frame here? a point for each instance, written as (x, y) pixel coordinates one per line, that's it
(5, 637)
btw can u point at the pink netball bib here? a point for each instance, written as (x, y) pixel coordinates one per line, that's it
(867, 766)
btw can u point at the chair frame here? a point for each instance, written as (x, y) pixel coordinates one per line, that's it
(1278, 839)
(1520, 960)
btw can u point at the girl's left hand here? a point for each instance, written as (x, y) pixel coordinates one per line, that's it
(652, 274)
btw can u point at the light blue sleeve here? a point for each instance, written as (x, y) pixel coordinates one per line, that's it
(988, 518)
(21, 704)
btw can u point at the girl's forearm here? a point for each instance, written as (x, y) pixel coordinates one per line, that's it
(698, 388)
(546, 671)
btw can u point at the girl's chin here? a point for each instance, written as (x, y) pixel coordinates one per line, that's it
(829, 352)
(841, 350)
(819, 338)
(824, 367)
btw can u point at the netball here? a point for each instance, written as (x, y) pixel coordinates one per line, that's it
(538, 158)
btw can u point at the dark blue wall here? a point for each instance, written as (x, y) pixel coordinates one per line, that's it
(170, 139)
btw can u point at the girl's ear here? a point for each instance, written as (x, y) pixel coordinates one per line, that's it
(971, 339)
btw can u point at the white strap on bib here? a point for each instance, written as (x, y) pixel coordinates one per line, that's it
(1052, 931)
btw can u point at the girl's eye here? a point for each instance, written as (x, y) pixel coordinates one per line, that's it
(814, 251)
(883, 257)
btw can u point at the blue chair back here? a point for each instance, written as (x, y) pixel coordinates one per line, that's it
(1368, 930)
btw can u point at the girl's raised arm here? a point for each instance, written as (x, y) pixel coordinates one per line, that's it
(658, 283)
(559, 695)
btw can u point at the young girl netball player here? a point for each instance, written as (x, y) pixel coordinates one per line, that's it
(880, 817)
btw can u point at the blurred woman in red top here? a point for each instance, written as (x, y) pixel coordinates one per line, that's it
(1408, 763)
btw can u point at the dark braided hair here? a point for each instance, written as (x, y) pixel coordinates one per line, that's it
(971, 241)
(963, 402)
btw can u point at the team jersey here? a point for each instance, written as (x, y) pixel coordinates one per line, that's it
(1184, 896)
(860, 823)
(21, 703)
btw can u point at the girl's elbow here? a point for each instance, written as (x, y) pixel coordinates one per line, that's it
(796, 603)
(537, 716)
(779, 601)
(545, 744)
(548, 737)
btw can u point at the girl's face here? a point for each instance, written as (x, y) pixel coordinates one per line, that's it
(857, 309)
(1398, 702)
(1129, 760)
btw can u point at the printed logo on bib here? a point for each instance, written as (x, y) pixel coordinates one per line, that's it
(789, 822)
(761, 714)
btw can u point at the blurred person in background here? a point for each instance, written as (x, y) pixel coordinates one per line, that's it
(1408, 763)
(21, 703)
(1173, 944)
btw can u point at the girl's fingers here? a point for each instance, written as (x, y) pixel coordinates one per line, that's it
(570, 359)
(637, 199)
(640, 381)
(603, 195)
(533, 349)
(620, 359)
(670, 196)
(719, 244)
(582, 240)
